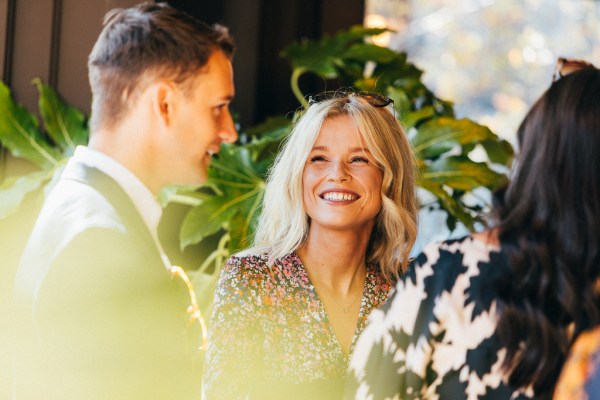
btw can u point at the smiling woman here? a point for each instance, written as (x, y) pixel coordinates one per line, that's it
(338, 222)
(341, 179)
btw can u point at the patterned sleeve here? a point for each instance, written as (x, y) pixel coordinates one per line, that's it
(234, 337)
(434, 338)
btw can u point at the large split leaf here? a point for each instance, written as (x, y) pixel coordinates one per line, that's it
(441, 135)
(461, 173)
(452, 205)
(20, 134)
(66, 125)
(325, 56)
(237, 180)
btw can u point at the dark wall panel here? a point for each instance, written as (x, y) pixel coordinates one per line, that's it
(262, 28)
(80, 25)
(5, 21)
(282, 22)
(32, 44)
(243, 18)
(51, 39)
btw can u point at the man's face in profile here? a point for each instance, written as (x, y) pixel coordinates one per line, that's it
(201, 121)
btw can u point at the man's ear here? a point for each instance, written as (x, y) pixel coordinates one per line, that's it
(163, 101)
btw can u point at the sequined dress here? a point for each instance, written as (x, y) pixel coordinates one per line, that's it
(270, 334)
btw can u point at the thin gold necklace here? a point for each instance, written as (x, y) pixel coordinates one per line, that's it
(345, 309)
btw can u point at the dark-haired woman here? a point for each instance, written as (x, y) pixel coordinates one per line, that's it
(492, 315)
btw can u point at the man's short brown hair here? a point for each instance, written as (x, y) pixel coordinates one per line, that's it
(142, 43)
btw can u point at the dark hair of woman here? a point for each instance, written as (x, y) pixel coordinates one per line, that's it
(548, 220)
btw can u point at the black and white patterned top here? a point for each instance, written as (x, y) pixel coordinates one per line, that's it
(435, 337)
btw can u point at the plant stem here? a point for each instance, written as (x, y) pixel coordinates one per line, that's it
(183, 199)
(295, 88)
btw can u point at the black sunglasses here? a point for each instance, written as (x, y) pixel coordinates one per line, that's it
(566, 66)
(374, 99)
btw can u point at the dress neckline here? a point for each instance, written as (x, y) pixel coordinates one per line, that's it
(323, 312)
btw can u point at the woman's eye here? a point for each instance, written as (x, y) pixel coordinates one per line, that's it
(359, 160)
(317, 158)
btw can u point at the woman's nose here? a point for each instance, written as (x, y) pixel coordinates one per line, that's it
(338, 172)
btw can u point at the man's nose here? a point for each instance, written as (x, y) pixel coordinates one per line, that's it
(228, 133)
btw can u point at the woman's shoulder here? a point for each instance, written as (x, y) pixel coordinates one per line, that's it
(477, 246)
(250, 257)
(246, 263)
(447, 260)
(258, 261)
(262, 272)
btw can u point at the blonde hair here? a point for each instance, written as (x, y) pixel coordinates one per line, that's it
(283, 225)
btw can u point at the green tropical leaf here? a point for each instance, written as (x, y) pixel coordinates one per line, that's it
(204, 220)
(14, 189)
(369, 52)
(411, 119)
(438, 136)
(66, 125)
(239, 187)
(461, 173)
(402, 102)
(498, 151)
(243, 224)
(326, 57)
(452, 205)
(399, 73)
(20, 134)
(272, 128)
(319, 58)
(359, 33)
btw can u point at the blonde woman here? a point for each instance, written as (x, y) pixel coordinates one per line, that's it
(339, 219)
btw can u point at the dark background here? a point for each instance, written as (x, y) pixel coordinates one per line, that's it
(51, 39)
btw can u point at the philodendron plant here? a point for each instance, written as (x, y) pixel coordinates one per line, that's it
(46, 147)
(224, 212)
(228, 205)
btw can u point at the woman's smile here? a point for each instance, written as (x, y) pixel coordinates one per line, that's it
(339, 196)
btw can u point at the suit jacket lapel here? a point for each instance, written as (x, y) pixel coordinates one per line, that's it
(115, 194)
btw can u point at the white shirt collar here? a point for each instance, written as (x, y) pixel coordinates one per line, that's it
(140, 195)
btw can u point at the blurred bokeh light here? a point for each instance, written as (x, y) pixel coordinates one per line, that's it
(492, 58)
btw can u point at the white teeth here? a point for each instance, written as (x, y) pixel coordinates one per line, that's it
(336, 196)
(211, 152)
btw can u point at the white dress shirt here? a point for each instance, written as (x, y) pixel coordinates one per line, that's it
(140, 195)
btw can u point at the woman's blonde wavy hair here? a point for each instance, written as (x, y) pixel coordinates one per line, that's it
(283, 225)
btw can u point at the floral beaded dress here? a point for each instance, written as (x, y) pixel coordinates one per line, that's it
(270, 335)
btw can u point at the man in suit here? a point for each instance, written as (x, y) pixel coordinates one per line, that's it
(102, 316)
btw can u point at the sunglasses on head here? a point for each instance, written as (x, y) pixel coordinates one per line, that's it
(374, 99)
(566, 66)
